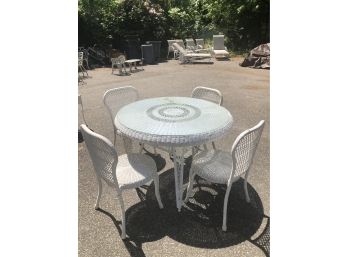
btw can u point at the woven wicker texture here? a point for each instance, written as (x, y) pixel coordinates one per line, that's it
(125, 172)
(213, 165)
(134, 170)
(173, 121)
(102, 153)
(209, 94)
(244, 148)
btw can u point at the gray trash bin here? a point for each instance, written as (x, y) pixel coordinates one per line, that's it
(147, 54)
(156, 48)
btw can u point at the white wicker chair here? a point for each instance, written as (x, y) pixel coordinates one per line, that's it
(80, 62)
(222, 167)
(119, 62)
(114, 99)
(209, 94)
(121, 172)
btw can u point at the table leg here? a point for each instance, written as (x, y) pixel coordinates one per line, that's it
(179, 162)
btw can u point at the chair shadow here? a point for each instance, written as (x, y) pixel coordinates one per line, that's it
(200, 220)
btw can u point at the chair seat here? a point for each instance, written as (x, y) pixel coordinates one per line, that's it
(213, 165)
(134, 169)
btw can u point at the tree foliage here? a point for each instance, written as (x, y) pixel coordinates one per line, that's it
(245, 23)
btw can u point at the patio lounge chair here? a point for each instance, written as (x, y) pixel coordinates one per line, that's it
(222, 167)
(128, 171)
(190, 44)
(219, 49)
(186, 56)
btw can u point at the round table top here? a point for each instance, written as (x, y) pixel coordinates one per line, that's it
(173, 121)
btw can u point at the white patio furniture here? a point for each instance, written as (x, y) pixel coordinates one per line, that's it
(188, 56)
(114, 99)
(171, 48)
(200, 43)
(133, 63)
(175, 125)
(190, 44)
(219, 49)
(120, 172)
(209, 94)
(80, 64)
(119, 62)
(226, 168)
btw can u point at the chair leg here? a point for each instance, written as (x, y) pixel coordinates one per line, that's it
(120, 199)
(189, 186)
(158, 196)
(224, 221)
(100, 189)
(247, 197)
(214, 147)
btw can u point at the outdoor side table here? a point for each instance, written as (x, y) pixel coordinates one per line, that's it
(133, 62)
(176, 124)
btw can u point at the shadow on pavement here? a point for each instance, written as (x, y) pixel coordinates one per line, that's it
(200, 220)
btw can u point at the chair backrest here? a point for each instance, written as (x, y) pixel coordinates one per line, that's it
(80, 58)
(180, 42)
(190, 43)
(209, 94)
(218, 42)
(103, 154)
(118, 60)
(200, 42)
(171, 42)
(81, 112)
(114, 99)
(179, 48)
(243, 149)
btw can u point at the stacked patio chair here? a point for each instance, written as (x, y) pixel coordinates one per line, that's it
(219, 49)
(128, 171)
(119, 62)
(222, 167)
(186, 56)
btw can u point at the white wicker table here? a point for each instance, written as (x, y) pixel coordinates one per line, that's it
(176, 124)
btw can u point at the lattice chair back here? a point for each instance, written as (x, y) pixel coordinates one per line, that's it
(80, 58)
(180, 42)
(103, 154)
(243, 149)
(200, 43)
(170, 43)
(218, 41)
(209, 94)
(114, 99)
(190, 44)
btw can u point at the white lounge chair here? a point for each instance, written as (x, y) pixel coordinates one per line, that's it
(219, 49)
(186, 56)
